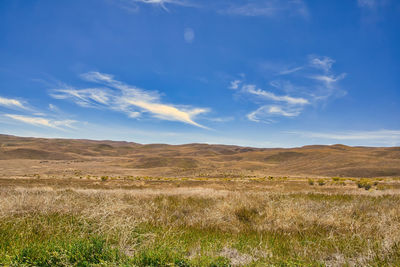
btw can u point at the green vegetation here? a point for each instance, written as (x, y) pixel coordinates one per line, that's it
(199, 226)
(49, 240)
(364, 183)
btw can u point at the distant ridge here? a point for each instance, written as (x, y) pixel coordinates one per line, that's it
(197, 159)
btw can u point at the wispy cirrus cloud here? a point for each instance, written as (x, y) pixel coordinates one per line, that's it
(267, 8)
(290, 71)
(235, 84)
(41, 121)
(252, 89)
(329, 80)
(129, 99)
(134, 5)
(324, 63)
(280, 105)
(296, 87)
(255, 8)
(266, 112)
(12, 103)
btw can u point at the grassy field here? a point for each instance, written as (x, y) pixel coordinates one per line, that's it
(199, 222)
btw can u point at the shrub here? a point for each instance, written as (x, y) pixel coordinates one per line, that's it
(336, 179)
(104, 178)
(321, 182)
(310, 181)
(364, 184)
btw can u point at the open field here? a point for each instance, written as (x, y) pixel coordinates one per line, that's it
(97, 210)
(193, 222)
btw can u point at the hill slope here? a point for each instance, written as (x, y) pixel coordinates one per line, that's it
(202, 159)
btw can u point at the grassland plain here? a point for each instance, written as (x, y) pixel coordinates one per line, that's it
(144, 221)
(104, 203)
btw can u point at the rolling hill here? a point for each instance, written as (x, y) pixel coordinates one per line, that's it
(200, 160)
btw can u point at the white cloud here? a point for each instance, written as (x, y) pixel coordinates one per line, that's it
(222, 119)
(40, 121)
(134, 114)
(324, 63)
(235, 84)
(188, 35)
(250, 88)
(255, 8)
(315, 83)
(290, 71)
(168, 112)
(11, 103)
(129, 99)
(265, 113)
(133, 5)
(329, 79)
(53, 107)
(91, 97)
(268, 8)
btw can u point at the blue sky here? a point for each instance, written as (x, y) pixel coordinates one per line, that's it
(269, 73)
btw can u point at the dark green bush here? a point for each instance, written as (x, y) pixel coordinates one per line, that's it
(363, 183)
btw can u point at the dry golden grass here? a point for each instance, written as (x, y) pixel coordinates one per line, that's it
(255, 222)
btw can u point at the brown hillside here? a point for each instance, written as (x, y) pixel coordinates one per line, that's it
(18, 155)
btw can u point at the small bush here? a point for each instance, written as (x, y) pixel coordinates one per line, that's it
(104, 178)
(364, 184)
(310, 181)
(336, 179)
(321, 182)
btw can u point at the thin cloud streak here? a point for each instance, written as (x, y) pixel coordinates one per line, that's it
(11, 103)
(258, 8)
(269, 95)
(265, 113)
(133, 5)
(268, 8)
(129, 99)
(290, 71)
(40, 121)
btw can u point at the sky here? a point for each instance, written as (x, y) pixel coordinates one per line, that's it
(270, 73)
